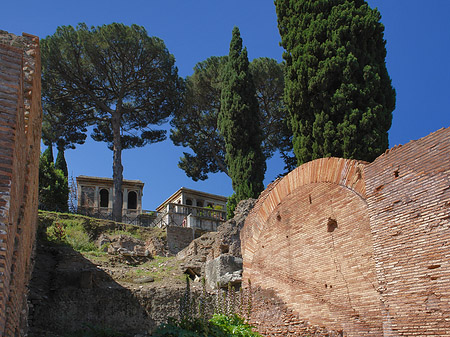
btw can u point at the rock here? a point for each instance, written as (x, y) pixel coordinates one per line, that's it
(103, 241)
(127, 246)
(147, 279)
(156, 246)
(214, 244)
(223, 270)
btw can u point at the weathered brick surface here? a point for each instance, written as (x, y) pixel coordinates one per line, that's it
(356, 247)
(20, 130)
(291, 245)
(408, 195)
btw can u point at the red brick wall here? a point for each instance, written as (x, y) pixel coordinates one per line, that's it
(384, 270)
(291, 245)
(20, 130)
(408, 195)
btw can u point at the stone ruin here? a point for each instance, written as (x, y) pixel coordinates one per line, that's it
(20, 129)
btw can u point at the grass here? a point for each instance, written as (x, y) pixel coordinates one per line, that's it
(80, 232)
(160, 268)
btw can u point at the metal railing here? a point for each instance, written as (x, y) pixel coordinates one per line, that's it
(173, 215)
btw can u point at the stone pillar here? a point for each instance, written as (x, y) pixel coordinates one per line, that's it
(110, 199)
(96, 204)
(125, 201)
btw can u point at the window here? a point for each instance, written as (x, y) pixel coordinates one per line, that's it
(132, 200)
(200, 203)
(104, 197)
(189, 202)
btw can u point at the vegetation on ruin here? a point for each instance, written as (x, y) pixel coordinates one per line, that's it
(239, 122)
(80, 232)
(222, 314)
(338, 92)
(114, 77)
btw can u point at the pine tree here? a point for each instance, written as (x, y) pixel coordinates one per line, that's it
(239, 123)
(337, 90)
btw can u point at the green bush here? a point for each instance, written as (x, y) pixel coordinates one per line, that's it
(78, 239)
(218, 326)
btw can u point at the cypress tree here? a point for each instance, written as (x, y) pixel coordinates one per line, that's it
(60, 163)
(239, 123)
(337, 89)
(53, 187)
(48, 154)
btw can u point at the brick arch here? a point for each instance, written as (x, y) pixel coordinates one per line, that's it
(344, 172)
(308, 239)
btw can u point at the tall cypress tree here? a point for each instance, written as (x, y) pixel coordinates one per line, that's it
(48, 153)
(60, 163)
(239, 123)
(337, 89)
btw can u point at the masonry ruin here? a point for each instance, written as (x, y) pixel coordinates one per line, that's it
(20, 134)
(359, 248)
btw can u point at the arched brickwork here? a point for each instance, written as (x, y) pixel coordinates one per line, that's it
(308, 239)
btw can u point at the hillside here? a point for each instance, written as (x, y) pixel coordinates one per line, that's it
(78, 287)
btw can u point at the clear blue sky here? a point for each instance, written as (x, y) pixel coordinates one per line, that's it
(418, 61)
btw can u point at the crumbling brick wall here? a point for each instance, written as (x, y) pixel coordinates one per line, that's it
(408, 195)
(356, 247)
(20, 131)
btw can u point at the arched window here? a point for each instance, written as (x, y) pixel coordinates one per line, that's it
(199, 203)
(132, 200)
(104, 197)
(189, 202)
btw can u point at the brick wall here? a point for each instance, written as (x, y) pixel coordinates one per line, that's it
(356, 247)
(20, 131)
(310, 242)
(179, 238)
(408, 195)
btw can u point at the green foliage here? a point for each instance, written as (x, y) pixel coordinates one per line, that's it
(196, 125)
(114, 77)
(61, 164)
(338, 92)
(239, 123)
(48, 154)
(218, 326)
(232, 202)
(53, 186)
(204, 314)
(80, 232)
(71, 233)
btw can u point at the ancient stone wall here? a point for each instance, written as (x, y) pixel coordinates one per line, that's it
(20, 131)
(408, 195)
(179, 238)
(356, 247)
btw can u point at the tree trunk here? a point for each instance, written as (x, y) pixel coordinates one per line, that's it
(117, 168)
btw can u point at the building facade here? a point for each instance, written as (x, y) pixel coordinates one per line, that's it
(194, 209)
(95, 197)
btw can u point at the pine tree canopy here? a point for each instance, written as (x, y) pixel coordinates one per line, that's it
(337, 89)
(114, 77)
(196, 125)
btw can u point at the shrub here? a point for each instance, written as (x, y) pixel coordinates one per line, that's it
(196, 318)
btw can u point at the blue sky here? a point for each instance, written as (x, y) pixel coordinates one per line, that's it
(418, 61)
